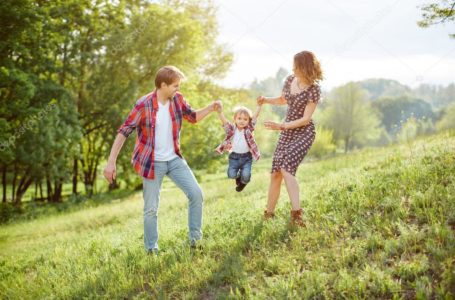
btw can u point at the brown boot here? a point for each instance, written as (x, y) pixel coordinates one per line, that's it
(296, 218)
(268, 215)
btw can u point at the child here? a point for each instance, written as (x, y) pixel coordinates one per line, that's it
(239, 141)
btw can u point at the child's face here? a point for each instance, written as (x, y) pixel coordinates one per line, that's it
(241, 120)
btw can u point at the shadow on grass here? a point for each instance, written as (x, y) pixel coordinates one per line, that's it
(228, 276)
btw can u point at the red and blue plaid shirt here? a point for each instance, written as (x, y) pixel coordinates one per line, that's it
(143, 119)
(229, 128)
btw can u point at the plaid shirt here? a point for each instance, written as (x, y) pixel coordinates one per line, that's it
(143, 119)
(229, 128)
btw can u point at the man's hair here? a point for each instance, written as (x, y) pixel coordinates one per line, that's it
(307, 64)
(242, 110)
(168, 75)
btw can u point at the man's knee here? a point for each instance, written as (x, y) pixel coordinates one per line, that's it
(195, 194)
(150, 212)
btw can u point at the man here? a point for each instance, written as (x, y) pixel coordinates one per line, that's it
(157, 118)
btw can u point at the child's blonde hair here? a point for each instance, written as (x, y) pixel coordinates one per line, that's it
(243, 110)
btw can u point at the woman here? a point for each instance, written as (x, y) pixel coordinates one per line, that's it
(301, 93)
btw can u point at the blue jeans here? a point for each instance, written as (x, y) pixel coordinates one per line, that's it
(179, 171)
(240, 166)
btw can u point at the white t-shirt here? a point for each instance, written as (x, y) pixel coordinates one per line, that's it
(239, 144)
(164, 145)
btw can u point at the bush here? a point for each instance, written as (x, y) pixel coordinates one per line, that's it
(324, 144)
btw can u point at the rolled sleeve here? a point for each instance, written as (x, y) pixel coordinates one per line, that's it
(188, 113)
(132, 120)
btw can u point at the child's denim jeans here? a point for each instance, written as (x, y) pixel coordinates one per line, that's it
(178, 170)
(240, 166)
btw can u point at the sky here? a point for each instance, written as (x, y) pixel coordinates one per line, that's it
(353, 39)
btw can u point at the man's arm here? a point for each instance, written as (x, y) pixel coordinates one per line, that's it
(110, 171)
(203, 112)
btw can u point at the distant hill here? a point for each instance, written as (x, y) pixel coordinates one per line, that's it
(379, 87)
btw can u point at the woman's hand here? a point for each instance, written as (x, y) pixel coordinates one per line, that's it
(274, 125)
(260, 100)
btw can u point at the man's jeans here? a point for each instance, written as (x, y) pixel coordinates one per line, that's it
(179, 171)
(240, 166)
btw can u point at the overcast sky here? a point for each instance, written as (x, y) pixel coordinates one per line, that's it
(354, 40)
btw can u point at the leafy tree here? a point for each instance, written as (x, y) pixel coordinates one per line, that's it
(436, 13)
(396, 111)
(448, 119)
(350, 115)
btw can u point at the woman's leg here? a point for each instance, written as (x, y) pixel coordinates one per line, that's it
(293, 189)
(274, 190)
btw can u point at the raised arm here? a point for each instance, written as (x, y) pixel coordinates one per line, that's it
(256, 113)
(272, 100)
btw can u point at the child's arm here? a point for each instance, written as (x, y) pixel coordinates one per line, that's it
(256, 113)
(223, 119)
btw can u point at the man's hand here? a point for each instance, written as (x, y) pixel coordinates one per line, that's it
(217, 106)
(110, 172)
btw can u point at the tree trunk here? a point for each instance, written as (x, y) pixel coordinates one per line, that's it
(49, 190)
(57, 191)
(13, 192)
(4, 183)
(346, 144)
(24, 184)
(75, 171)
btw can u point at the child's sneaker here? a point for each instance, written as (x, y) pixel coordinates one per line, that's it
(237, 181)
(240, 187)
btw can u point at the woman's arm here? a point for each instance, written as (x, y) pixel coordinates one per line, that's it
(274, 101)
(305, 120)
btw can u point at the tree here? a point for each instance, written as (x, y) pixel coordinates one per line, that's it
(350, 116)
(448, 119)
(438, 13)
(396, 111)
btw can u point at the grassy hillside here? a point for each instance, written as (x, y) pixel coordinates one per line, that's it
(380, 224)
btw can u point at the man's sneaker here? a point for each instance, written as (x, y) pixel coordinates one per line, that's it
(196, 246)
(152, 252)
(238, 181)
(240, 187)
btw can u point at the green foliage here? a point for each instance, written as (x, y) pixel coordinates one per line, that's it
(324, 144)
(396, 111)
(448, 119)
(435, 13)
(349, 114)
(379, 224)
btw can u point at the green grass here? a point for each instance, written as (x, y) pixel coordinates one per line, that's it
(380, 224)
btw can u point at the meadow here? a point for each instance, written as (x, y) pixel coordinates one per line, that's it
(380, 223)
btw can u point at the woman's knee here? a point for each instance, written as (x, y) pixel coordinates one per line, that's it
(277, 176)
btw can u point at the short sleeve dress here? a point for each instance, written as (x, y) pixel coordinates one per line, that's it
(293, 144)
